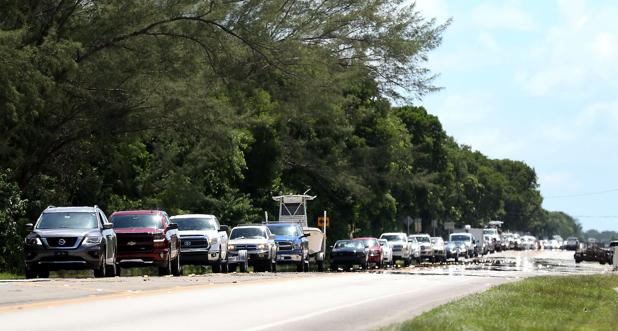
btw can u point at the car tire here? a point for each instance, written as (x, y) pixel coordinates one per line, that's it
(300, 266)
(118, 270)
(244, 267)
(31, 273)
(42, 272)
(225, 267)
(216, 267)
(110, 270)
(407, 262)
(167, 269)
(176, 267)
(320, 266)
(232, 267)
(334, 268)
(100, 271)
(306, 266)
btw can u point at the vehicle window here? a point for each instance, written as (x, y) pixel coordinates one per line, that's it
(248, 233)
(392, 237)
(460, 238)
(137, 221)
(292, 209)
(349, 244)
(284, 230)
(490, 231)
(71, 220)
(198, 223)
(413, 240)
(421, 239)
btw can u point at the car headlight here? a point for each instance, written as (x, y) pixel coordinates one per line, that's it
(231, 247)
(93, 240)
(262, 246)
(212, 241)
(33, 241)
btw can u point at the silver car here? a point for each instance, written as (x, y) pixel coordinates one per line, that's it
(387, 253)
(426, 249)
(439, 250)
(398, 242)
(203, 240)
(252, 245)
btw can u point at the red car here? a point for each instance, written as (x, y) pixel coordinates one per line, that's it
(147, 238)
(374, 250)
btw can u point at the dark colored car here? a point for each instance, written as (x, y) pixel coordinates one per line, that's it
(348, 253)
(70, 238)
(147, 238)
(572, 244)
(374, 250)
(292, 244)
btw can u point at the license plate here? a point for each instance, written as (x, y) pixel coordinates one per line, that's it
(61, 253)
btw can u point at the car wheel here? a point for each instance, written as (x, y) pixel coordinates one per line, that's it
(244, 267)
(110, 270)
(176, 267)
(320, 266)
(306, 266)
(31, 273)
(167, 269)
(42, 272)
(407, 262)
(334, 267)
(216, 268)
(100, 271)
(231, 267)
(300, 266)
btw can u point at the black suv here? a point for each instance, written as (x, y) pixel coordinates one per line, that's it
(70, 238)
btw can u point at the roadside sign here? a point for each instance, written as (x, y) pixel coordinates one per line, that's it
(418, 226)
(323, 221)
(450, 226)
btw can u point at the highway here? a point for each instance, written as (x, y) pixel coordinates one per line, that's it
(283, 301)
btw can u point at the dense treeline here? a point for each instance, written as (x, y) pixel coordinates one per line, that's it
(215, 106)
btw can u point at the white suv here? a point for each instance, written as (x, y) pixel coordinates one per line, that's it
(398, 241)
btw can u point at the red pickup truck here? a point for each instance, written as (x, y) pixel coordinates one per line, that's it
(147, 238)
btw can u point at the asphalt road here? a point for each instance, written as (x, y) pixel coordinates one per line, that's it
(283, 301)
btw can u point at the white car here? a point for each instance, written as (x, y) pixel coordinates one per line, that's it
(387, 253)
(426, 248)
(402, 249)
(203, 240)
(528, 242)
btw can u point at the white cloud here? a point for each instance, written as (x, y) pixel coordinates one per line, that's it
(433, 9)
(575, 56)
(505, 15)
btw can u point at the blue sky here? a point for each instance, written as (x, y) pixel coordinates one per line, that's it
(536, 81)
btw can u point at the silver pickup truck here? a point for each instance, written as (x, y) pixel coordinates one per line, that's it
(252, 245)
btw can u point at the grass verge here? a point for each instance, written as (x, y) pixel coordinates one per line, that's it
(539, 303)
(7, 275)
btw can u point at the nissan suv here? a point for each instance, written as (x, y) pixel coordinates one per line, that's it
(147, 238)
(70, 238)
(204, 240)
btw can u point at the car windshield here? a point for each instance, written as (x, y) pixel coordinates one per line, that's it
(68, 221)
(369, 242)
(248, 233)
(137, 221)
(459, 238)
(391, 237)
(490, 231)
(422, 239)
(349, 244)
(284, 230)
(201, 223)
(413, 240)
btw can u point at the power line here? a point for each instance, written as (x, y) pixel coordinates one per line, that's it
(581, 194)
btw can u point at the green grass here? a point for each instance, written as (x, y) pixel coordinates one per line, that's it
(539, 303)
(7, 275)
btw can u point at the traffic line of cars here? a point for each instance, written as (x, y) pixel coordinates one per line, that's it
(84, 238)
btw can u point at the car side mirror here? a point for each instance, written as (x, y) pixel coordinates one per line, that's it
(224, 228)
(331, 246)
(29, 227)
(108, 226)
(172, 226)
(305, 235)
(271, 237)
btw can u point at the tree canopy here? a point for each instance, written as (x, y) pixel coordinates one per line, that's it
(215, 106)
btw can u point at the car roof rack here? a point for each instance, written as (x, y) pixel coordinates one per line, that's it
(51, 206)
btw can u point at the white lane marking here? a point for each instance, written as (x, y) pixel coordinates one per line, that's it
(325, 311)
